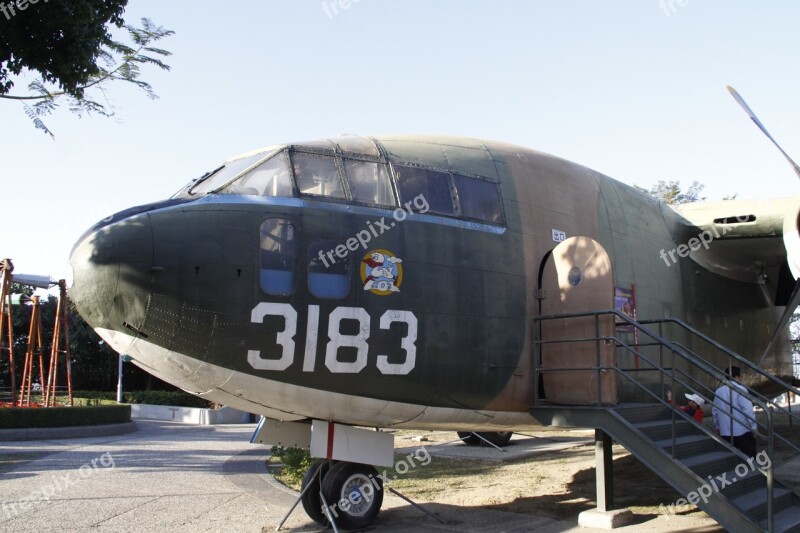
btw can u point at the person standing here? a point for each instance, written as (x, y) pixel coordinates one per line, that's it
(695, 407)
(734, 418)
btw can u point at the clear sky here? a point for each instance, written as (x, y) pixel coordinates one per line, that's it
(634, 89)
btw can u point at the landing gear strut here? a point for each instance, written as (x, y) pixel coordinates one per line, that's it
(312, 504)
(495, 438)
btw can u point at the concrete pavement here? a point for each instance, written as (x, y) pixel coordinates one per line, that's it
(168, 476)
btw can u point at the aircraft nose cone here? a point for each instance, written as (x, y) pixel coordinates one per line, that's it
(111, 273)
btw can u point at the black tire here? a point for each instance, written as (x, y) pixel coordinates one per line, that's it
(498, 438)
(469, 438)
(311, 501)
(349, 482)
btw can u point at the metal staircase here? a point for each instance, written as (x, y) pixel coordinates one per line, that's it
(741, 493)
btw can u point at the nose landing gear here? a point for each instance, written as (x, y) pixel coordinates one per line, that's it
(353, 493)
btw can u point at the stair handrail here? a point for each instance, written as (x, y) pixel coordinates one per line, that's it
(692, 359)
(773, 404)
(687, 355)
(742, 360)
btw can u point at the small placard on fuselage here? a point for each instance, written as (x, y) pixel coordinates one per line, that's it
(559, 236)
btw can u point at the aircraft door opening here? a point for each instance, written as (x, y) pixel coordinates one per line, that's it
(576, 277)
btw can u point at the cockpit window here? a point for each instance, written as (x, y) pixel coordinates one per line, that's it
(278, 256)
(328, 274)
(270, 178)
(317, 174)
(225, 173)
(479, 199)
(433, 186)
(369, 182)
(355, 144)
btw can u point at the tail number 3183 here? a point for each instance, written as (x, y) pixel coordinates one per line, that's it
(285, 339)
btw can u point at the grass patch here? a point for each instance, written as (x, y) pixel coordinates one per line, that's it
(441, 473)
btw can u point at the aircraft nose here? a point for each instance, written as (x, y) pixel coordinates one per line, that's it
(111, 267)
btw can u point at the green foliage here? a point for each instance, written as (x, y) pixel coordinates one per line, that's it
(159, 397)
(93, 362)
(59, 39)
(21, 417)
(152, 397)
(68, 44)
(670, 192)
(296, 461)
(16, 288)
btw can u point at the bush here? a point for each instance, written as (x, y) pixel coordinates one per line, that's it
(52, 417)
(295, 463)
(153, 397)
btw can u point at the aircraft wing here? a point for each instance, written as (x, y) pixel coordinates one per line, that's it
(754, 241)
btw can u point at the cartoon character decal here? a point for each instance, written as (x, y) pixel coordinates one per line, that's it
(381, 272)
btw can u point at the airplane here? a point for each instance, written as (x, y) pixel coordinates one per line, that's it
(392, 281)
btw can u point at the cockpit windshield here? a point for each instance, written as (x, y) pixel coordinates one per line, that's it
(270, 178)
(224, 174)
(354, 170)
(317, 174)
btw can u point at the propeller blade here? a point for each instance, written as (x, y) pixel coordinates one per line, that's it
(754, 118)
(794, 300)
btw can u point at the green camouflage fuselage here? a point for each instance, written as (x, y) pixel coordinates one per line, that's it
(178, 286)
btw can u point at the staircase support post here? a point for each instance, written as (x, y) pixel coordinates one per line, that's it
(604, 472)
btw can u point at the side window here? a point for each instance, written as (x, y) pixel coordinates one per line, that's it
(278, 256)
(479, 199)
(369, 182)
(328, 276)
(432, 186)
(317, 174)
(270, 178)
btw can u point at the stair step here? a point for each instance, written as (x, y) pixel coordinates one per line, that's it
(711, 463)
(786, 521)
(645, 413)
(754, 503)
(662, 429)
(750, 482)
(689, 445)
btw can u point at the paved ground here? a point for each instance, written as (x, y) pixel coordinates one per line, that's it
(172, 477)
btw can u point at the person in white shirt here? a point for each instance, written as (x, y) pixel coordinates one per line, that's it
(733, 415)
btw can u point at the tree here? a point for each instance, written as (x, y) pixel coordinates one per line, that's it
(68, 46)
(670, 192)
(93, 362)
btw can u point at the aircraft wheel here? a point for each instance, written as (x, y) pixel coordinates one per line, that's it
(351, 489)
(498, 438)
(469, 438)
(311, 500)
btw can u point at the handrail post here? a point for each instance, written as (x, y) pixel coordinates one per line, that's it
(597, 357)
(770, 475)
(661, 355)
(674, 399)
(536, 360)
